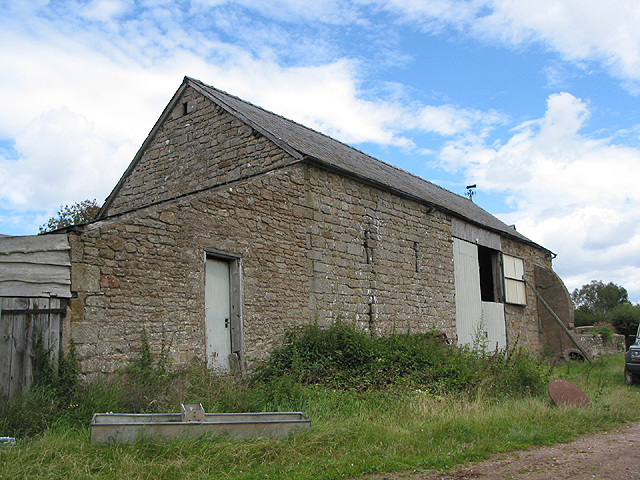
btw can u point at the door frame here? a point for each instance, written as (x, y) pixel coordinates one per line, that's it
(235, 302)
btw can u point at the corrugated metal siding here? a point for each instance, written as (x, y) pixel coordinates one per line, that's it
(473, 316)
(35, 266)
(467, 287)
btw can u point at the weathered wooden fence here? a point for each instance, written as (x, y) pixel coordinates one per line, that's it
(35, 280)
(22, 320)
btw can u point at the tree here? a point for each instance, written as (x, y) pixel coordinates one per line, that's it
(595, 301)
(80, 212)
(625, 318)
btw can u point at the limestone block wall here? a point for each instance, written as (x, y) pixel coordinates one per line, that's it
(147, 270)
(380, 260)
(199, 145)
(314, 247)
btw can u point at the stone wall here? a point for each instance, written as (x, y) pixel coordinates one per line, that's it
(358, 254)
(314, 246)
(198, 146)
(523, 325)
(380, 260)
(595, 345)
(147, 270)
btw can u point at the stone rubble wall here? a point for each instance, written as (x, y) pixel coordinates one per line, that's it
(523, 324)
(357, 254)
(195, 150)
(596, 345)
(147, 271)
(315, 247)
(379, 260)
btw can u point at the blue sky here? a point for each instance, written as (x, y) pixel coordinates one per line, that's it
(535, 102)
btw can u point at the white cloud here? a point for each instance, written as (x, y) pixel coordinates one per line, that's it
(578, 30)
(104, 10)
(571, 193)
(326, 98)
(77, 108)
(81, 91)
(63, 161)
(326, 11)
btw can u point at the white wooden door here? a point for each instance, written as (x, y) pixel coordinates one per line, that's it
(218, 314)
(467, 288)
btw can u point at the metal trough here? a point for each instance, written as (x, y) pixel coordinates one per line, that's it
(193, 422)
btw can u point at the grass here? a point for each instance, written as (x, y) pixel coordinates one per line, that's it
(354, 432)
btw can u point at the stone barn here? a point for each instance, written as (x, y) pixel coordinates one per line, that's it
(233, 224)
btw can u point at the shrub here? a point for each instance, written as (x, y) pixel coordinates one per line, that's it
(604, 330)
(50, 398)
(341, 357)
(625, 318)
(339, 360)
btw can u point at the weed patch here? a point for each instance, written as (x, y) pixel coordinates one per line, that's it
(354, 432)
(377, 405)
(341, 357)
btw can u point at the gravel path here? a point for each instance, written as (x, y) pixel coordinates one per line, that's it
(614, 455)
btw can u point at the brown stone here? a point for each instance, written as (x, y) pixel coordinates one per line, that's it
(109, 281)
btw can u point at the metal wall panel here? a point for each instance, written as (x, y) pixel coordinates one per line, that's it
(467, 288)
(476, 321)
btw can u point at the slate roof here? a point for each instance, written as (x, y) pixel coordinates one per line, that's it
(320, 148)
(307, 144)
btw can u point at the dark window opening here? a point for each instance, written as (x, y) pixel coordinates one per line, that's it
(490, 284)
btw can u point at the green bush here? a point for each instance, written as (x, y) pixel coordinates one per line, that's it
(604, 330)
(625, 318)
(51, 397)
(341, 357)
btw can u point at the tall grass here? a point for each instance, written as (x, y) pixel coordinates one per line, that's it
(355, 430)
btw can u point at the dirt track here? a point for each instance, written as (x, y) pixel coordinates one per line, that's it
(614, 455)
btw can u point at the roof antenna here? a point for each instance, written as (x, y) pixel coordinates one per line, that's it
(470, 191)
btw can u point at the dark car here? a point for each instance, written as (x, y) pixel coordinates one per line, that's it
(632, 362)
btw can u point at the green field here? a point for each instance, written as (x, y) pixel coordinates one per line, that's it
(354, 430)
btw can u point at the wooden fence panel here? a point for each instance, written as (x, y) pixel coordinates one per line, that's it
(21, 321)
(19, 330)
(6, 347)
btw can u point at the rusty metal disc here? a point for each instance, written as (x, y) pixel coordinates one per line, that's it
(566, 393)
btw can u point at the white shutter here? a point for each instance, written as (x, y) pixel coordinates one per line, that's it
(515, 290)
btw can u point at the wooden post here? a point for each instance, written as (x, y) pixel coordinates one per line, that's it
(555, 317)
